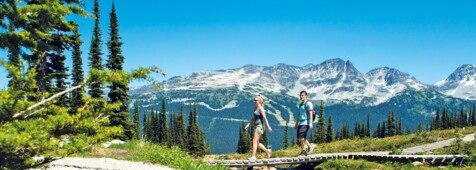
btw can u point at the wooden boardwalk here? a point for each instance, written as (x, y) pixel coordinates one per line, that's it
(408, 156)
(318, 158)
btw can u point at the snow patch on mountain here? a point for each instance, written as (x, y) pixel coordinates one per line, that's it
(461, 83)
(231, 104)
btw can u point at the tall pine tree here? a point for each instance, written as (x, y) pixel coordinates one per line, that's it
(243, 145)
(163, 132)
(321, 126)
(95, 60)
(192, 133)
(118, 89)
(473, 115)
(391, 124)
(181, 130)
(285, 139)
(172, 140)
(77, 75)
(136, 120)
(367, 128)
(330, 130)
(154, 127)
(145, 128)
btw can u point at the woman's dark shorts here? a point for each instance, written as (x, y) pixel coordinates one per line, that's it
(302, 131)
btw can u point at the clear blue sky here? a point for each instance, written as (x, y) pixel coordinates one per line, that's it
(427, 39)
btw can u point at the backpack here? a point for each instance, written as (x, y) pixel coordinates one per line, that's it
(313, 112)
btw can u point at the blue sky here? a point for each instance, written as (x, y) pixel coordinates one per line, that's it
(427, 39)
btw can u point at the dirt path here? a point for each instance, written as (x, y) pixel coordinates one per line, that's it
(433, 146)
(100, 164)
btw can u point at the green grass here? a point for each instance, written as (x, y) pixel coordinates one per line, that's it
(147, 152)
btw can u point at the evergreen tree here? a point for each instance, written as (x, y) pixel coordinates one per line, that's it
(438, 122)
(58, 70)
(43, 82)
(462, 118)
(473, 115)
(155, 130)
(95, 60)
(408, 131)
(384, 132)
(118, 90)
(345, 133)
(337, 136)
(400, 127)
(181, 131)
(356, 132)
(197, 144)
(163, 135)
(377, 131)
(77, 73)
(445, 119)
(390, 124)
(172, 131)
(454, 120)
(367, 128)
(243, 144)
(321, 127)
(286, 140)
(193, 133)
(330, 130)
(204, 147)
(14, 53)
(136, 120)
(145, 128)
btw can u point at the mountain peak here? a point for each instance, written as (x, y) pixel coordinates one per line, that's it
(465, 71)
(461, 83)
(390, 76)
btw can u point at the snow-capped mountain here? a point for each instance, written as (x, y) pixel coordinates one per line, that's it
(461, 83)
(333, 81)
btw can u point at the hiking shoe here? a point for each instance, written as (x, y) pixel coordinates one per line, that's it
(311, 148)
(268, 153)
(252, 158)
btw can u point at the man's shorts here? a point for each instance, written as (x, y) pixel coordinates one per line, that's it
(302, 131)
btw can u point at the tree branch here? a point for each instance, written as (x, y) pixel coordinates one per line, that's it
(47, 100)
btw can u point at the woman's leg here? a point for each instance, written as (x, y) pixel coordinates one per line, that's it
(262, 147)
(256, 137)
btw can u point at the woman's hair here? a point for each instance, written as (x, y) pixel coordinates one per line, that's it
(261, 100)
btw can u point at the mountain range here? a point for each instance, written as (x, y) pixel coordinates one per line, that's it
(224, 97)
(333, 81)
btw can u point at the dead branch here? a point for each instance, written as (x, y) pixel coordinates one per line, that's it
(47, 100)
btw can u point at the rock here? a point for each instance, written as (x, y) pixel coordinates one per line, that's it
(115, 141)
(417, 163)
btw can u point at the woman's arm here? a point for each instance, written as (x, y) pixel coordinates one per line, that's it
(261, 110)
